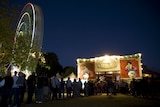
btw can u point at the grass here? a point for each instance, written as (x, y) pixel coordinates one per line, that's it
(99, 101)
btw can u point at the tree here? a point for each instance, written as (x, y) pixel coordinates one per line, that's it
(28, 38)
(8, 17)
(51, 65)
(17, 46)
(68, 70)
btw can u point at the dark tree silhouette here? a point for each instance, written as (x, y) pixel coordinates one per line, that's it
(68, 70)
(52, 63)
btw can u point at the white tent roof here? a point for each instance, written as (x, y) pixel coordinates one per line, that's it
(72, 77)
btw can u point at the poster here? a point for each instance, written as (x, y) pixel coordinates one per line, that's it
(130, 68)
(86, 70)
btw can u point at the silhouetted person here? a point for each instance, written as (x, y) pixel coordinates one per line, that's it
(39, 89)
(55, 85)
(61, 89)
(69, 87)
(14, 91)
(46, 88)
(6, 89)
(80, 86)
(22, 85)
(31, 87)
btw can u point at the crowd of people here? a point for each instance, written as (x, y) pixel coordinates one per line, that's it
(145, 88)
(13, 88)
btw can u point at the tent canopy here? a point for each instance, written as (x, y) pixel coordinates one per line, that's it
(72, 77)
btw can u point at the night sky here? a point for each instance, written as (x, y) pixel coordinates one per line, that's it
(92, 28)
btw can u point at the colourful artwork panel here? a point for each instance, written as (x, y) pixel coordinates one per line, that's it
(86, 70)
(129, 68)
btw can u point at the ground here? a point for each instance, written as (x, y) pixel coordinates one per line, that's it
(119, 100)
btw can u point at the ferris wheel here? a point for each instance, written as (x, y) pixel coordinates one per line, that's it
(29, 35)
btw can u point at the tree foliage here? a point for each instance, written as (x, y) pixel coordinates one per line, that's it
(8, 17)
(68, 70)
(51, 66)
(15, 47)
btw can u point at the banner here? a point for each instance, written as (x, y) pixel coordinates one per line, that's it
(107, 63)
(130, 67)
(86, 70)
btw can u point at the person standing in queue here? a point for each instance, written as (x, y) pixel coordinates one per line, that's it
(14, 91)
(69, 87)
(6, 89)
(30, 87)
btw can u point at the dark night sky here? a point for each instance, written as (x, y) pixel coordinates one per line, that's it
(90, 28)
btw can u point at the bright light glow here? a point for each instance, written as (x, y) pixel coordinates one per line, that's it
(43, 59)
(85, 76)
(15, 68)
(110, 72)
(21, 33)
(147, 75)
(27, 73)
(33, 54)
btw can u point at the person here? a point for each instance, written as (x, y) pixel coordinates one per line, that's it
(110, 86)
(15, 91)
(39, 89)
(46, 88)
(100, 87)
(80, 86)
(132, 87)
(6, 89)
(2, 82)
(31, 88)
(85, 88)
(69, 87)
(75, 88)
(55, 85)
(62, 85)
(123, 86)
(21, 84)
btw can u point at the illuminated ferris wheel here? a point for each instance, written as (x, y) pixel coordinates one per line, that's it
(29, 36)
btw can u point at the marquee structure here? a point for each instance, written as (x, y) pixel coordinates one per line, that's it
(127, 66)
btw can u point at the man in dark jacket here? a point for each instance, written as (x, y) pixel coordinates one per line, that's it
(31, 87)
(6, 89)
(39, 88)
